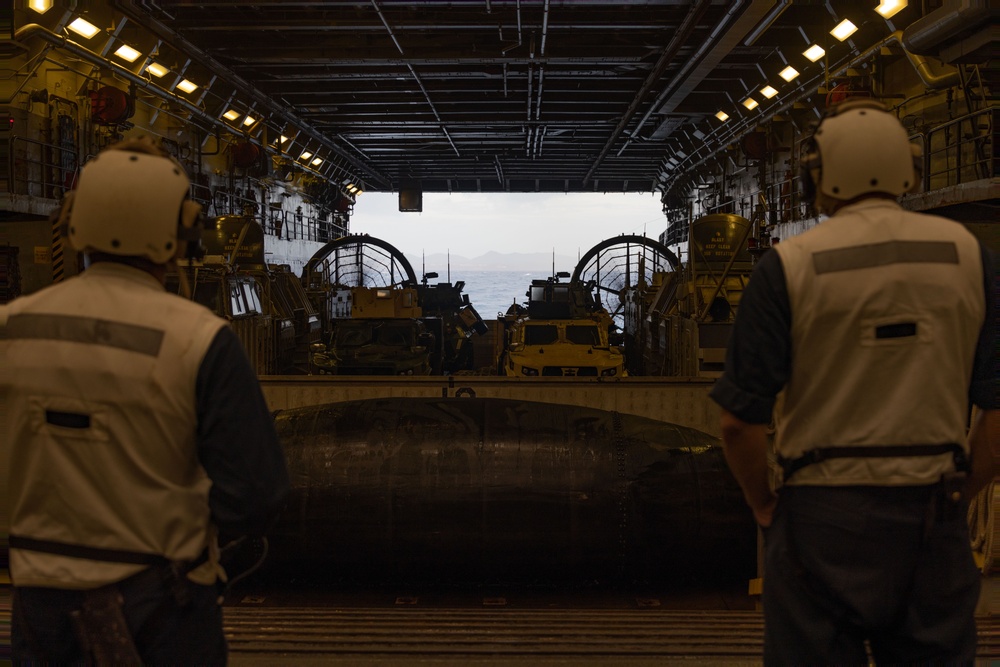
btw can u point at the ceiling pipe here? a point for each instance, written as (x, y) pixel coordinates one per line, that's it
(145, 18)
(945, 25)
(61, 42)
(541, 66)
(666, 57)
(413, 73)
(766, 22)
(31, 67)
(695, 67)
(747, 125)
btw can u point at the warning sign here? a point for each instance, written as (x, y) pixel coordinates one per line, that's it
(43, 254)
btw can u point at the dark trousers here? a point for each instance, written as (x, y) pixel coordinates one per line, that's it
(164, 632)
(890, 566)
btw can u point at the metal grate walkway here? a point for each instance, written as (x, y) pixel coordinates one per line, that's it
(303, 635)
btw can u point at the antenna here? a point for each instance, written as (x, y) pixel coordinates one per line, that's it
(553, 262)
(449, 265)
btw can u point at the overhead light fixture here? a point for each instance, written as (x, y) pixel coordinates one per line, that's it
(723, 116)
(126, 52)
(82, 27)
(282, 139)
(844, 30)
(248, 121)
(768, 91)
(187, 86)
(40, 6)
(353, 189)
(889, 8)
(305, 156)
(814, 52)
(788, 73)
(156, 69)
(317, 162)
(231, 115)
(750, 103)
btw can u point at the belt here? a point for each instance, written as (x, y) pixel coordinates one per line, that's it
(792, 466)
(98, 553)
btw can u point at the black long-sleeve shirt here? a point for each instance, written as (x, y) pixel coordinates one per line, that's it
(237, 443)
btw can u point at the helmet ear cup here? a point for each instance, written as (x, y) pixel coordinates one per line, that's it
(189, 231)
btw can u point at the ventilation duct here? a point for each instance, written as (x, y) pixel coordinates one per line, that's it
(961, 31)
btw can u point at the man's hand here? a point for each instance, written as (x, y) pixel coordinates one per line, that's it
(764, 515)
(745, 447)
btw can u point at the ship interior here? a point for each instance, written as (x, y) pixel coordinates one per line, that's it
(570, 512)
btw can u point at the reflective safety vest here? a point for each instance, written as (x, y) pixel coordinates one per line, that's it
(99, 379)
(887, 308)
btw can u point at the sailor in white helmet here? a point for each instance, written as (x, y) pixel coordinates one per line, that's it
(135, 434)
(866, 339)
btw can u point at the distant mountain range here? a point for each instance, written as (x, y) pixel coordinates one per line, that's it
(494, 261)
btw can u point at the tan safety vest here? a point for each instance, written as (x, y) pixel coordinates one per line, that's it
(887, 308)
(98, 379)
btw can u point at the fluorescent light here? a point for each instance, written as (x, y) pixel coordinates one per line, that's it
(282, 139)
(768, 91)
(317, 162)
(249, 120)
(814, 52)
(40, 6)
(844, 30)
(85, 28)
(231, 115)
(788, 73)
(888, 8)
(156, 69)
(750, 103)
(723, 116)
(305, 156)
(187, 86)
(126, 52)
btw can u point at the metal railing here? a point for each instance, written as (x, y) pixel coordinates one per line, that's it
(295, 225)
(961, 150)
(280, 223)
(40, 169)
(47, 171)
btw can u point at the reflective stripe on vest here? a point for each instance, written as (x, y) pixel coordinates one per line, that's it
(131, 337)
(882, 254)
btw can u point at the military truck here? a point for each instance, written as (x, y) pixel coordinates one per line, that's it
(379, 332)
(562, 332)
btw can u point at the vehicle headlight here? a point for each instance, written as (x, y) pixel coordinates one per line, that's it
(525, 370)
(607, 372)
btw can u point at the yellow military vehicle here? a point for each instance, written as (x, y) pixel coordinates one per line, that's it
(562, 332)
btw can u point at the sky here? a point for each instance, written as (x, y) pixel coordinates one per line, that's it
(472, 224)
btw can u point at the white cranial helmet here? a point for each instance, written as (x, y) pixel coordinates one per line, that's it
(860, 149)
(132, 199)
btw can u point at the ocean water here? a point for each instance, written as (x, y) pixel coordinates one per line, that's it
(492, 292)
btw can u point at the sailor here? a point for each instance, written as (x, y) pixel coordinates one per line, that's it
(136, 433)
(866, 338)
